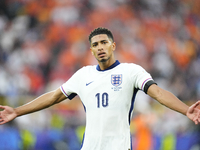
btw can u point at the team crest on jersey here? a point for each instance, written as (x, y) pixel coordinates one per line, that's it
(116, 80)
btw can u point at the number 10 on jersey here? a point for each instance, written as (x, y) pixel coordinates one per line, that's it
(102, 99)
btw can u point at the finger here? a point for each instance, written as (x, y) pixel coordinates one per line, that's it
(198, 102)
(197, 118)
(198, 106)
(2, 122)
(2, 107)
(193, 106)
(196, 122)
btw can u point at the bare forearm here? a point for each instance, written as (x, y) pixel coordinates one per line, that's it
(42, 102)
(8, 113)
(169, 100)
(172, 102)
(37, 104)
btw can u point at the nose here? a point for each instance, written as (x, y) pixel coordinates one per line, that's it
(100, 47)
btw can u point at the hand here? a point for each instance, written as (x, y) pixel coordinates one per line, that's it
(193, 113)
(7, 114)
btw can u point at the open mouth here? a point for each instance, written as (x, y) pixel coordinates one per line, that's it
(102, 54)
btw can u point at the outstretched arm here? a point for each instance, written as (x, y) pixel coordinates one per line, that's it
(42, 102)
(171, 101)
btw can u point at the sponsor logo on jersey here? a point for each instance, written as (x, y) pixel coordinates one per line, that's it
(89, 83)
(116, 81)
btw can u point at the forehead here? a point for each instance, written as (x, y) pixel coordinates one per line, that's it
(99, 37)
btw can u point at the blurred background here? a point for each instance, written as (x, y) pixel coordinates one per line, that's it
(42, 43)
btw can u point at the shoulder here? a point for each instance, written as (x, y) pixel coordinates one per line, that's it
(131, 66)
(83, 72)
(86, 68)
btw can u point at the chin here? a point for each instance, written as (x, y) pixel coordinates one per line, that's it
(103, 59)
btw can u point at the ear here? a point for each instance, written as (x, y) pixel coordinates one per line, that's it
(91, 51)
(113, 46)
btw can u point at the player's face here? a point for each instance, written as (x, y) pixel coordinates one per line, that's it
(102, 47)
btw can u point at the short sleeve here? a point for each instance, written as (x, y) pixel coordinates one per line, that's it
(71, 87)
(141, 77)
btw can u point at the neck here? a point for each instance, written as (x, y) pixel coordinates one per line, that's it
(106, 64)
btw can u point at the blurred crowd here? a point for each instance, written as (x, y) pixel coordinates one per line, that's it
(42, 43)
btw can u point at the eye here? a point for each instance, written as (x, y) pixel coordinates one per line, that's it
(94, 45)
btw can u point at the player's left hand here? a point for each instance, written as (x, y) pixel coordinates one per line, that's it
(193, 113)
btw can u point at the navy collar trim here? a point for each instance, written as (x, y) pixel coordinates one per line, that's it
(112, 66)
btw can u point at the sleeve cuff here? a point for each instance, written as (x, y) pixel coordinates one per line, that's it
(148, 84)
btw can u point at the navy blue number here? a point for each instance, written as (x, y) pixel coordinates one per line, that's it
(104, 99)
(98, 101)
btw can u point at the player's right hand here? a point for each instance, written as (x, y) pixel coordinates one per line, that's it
(7, 114)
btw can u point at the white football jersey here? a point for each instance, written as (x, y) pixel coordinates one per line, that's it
(108, 98)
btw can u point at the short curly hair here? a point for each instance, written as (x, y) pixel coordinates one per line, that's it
(101, 30)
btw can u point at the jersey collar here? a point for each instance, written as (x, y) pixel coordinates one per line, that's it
(112, 66)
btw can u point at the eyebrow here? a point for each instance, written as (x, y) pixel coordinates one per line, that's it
(99, 41)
